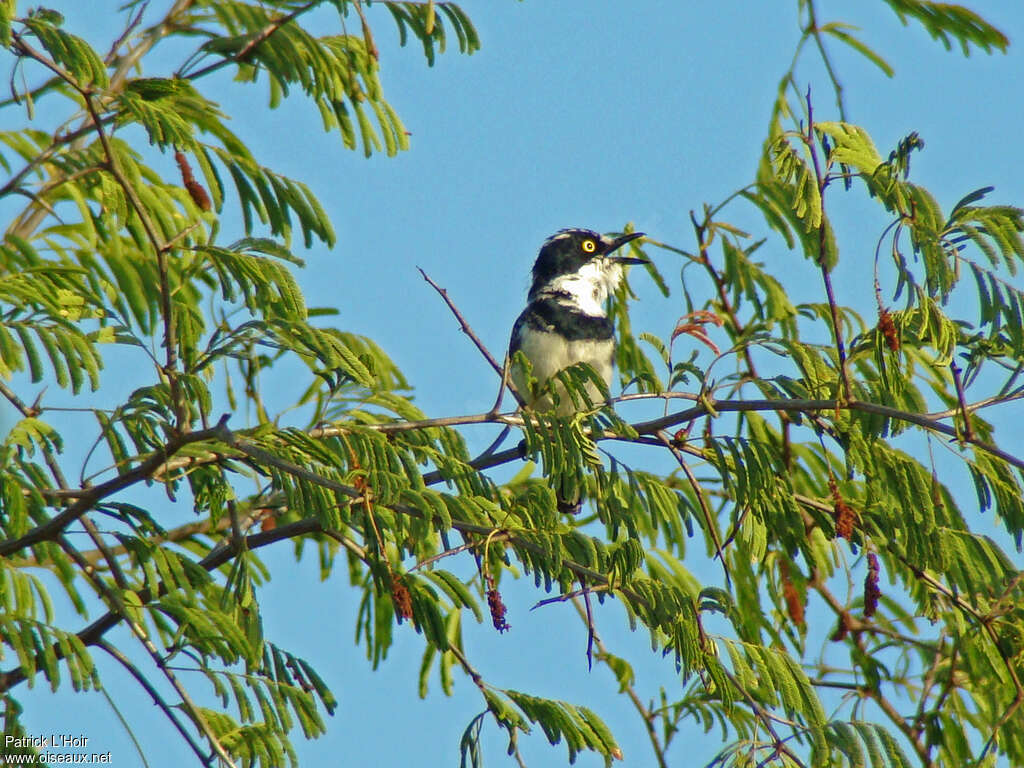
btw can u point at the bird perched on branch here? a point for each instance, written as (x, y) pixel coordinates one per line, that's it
(565, 320)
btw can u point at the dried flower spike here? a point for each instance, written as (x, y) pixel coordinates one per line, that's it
(794, 605)
(401, 598)
(194, 188)
(888, 329)
(871, 590)
(498, 610)
(843, 514)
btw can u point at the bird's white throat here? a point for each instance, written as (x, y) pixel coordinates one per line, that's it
(588, 288)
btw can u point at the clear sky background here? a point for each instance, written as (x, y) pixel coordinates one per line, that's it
(576, 113)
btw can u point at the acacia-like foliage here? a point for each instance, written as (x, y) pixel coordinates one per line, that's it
(801, 454)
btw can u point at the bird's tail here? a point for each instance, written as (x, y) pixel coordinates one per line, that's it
(569, 506)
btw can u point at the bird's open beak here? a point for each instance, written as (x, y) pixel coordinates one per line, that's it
(618, 243)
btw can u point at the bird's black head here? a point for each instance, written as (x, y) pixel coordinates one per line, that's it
(567, 251)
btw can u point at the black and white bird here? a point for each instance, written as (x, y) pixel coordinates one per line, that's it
(566, 319)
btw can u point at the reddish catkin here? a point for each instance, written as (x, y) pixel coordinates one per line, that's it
(401, 598)
(794, 605)
(888, 329)
(844, 516)
(871, 590)
(498, 610)
(496, 605)
(194, 188)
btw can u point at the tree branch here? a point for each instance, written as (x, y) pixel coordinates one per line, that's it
(826, 270)
(118, 608)
(225, 552)
(142, 680)
(647, 430)
(646, 714)
(258, 39)
(90, 496)
(466, 329)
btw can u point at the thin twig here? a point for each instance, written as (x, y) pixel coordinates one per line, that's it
(938, 660)
(468, 668)
(721, 288)
(348, 544)
(445, 553)
(108, 556)
(463, 325)
(219, 555)
(815, 32)
(131, 26)
(591, 631)
(919, 419)
(128, 62)
(645, 430)
(501, 389)
(117, 606)
(567, 596)
(261, 37)
(709, 519)
(25, 410)
(959, 384)
(978, 405)
(645, 714)
(826, 270)
(92, 495)
(142, 680)
(767, 719)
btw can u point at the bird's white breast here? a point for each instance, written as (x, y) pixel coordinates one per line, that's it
(589, 287)
(549, 353)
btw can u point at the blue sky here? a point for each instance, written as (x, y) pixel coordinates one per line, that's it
(576, 113)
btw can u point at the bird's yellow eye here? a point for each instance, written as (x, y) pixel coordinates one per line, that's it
(589, 246)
